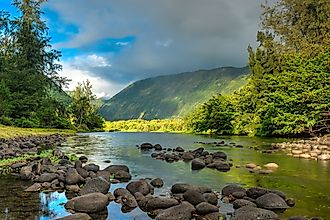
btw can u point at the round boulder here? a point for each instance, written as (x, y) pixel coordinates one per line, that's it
(98, 184)
(141, 186)
(90, 203)
(158, 183)
(197, 164)
(271, 201)
(179, 212)
(251, 213)
(193, 197)
(205, 208)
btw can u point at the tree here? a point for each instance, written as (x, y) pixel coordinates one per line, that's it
(83, 108)
(29, 66)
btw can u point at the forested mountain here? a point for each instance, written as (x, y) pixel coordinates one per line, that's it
(172, 95)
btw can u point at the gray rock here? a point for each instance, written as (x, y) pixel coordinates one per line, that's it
(141, 186)
(72, 177)
(197, 164)
(211, 216)
(92, 167)
(187, 156)
(158, 147)
(114, 168)
(211, 198)
(123, 176)
(98, 184)
(76, 216)
(146, 146)
(160, 203)
(193, 197)
(183, 187)
(179, 212)
(253, 213)
(290, 202)
(205, 208)
(26, 173)
(82, 172)
(158, 183)
(179, 149)
(230, 189)
(72, 188)
(78, 164)
(238, 203)
(46, 177)
(256, 192)
(90, 203)
(83, 159)
(198, 151)
(271, 201)
(36, 187)
(220, 155)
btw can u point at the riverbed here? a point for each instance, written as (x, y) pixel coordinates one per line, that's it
(305, 180)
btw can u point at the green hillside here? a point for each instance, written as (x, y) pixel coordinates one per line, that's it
(172, 96)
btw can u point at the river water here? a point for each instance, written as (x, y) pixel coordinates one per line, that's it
(305, 180)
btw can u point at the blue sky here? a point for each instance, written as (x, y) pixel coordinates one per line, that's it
(114, 43)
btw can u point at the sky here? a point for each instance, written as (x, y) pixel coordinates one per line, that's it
(116, 42)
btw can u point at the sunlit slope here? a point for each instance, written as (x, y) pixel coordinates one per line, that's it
(172, 96)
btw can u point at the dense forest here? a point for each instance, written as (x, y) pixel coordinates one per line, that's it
(288, 92)
(31, 92)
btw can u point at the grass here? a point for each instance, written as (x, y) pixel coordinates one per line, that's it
(12, 132)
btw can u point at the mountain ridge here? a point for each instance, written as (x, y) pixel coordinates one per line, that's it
(172, 96)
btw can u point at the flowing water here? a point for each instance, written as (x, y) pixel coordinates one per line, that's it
(305, 180)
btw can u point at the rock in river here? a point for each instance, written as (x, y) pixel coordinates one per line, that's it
(141, 186)
(76, 216)
(197, 164)
(98, 184)
(90, 203)
(271, 201)
(179, 212)
(252, 213)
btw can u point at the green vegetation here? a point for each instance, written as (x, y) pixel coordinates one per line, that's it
(172, 96)
(288, 92)
(139, 125)
(84, 105)
(31, 92)
(12, 132)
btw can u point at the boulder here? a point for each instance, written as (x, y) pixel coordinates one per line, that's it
(197, 164)
(26, 173)
(252, 213)
(114, 168)
(222, 166)
(179, 149)
(34, 188)
(78, 164)
(230, 189)
(186, 156)
(158, 147)
(72, 188)
(72, 177)
(205, 208)
(256, 192)
(46, 177)
(271, 201)
(158, 183)
(183, 187)
(120, 192)
(76, 216)
(193, 197)
(90, 203)
(238, 203)
(98, 184)
(83, 159)
(82, 172)
(290, 202)
(211, 216)
(198, 151)
(141, 186)
(219, 155)
(271, 166)
(92, 167)
(161, 203)
(211, 198)
(146, 146)
(179, 212)
(123, 176)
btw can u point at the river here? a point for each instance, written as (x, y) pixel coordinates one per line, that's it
(307, 181)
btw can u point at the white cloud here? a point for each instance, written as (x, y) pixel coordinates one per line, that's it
(78, 74)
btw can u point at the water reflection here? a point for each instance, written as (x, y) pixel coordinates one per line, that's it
(53, 205)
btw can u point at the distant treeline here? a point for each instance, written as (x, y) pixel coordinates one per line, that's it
(164, 125)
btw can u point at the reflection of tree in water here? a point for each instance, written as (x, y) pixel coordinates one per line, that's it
(84, 145)
(52, 205)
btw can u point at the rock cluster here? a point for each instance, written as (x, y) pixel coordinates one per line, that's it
(315, 148)
(256, 202)
(200, 158)
(186, 201)
(23, 145)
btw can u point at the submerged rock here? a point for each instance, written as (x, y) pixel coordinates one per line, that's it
(179, 212)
